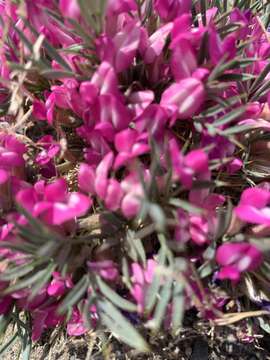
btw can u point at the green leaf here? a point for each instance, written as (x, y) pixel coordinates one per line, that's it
(151, 295)
(31, 235)
(231, 27)
(206, 269)
(26, 342)
(178, 305)
(236, 77)
(116, 299)
(260, 78)
(136, 247)
(80, 30)
(51, 51)
(185, 205)
(56, 74)
(264, 324)
(216, 109)
(43, 281)
(24, 247)
(158, 216)
(231, 116)
(26, 351)
(17, 271)
(23, 38)
(24, 283)
(37, 225)
(235, 130)
(221, 67)
(120, 326)
(74, 295)
(88, 13)
(125, 272)
(224, 220)
(86, 314)
(261, 91)
(162, 305)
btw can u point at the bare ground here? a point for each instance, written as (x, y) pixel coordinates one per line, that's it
(186, 346)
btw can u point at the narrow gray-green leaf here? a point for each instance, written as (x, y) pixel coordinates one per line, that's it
(231, 116)
(236, 77)
(185, 205)
(151, 295)
(162, 305)
(120, 326)
(224, 220)
(178, 302)
(216, 109)
(17, 271)
(260, 78)
(51, 51)
(114, 297)
(74, 295)
(158, 216)
(43, 281)
(55, 74)
(235, 130)
(24, 283)
(88, 13)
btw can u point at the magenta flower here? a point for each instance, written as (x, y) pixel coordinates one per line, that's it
(116, 7)
(170, 9)
(11, 151)
(105, 79)
(183, 61)
(101, 90)
(5, 301)
(97, 181)
(106, 269)
(156, 43)
(129, 145)
(45, 158)
(253, 207)
(121, 50)
(39, 110)
(182, 233)
(199, 228)
(12, 162)
(234, 166)
(109, 109)
(141, 279)
(154, 120)
(86, 178)
(235, 258)
(59, 285)
(76, 326)
(219, 48)
(125, 195)
(133, 195)
(184, 98)
(44, 319)
(186, 168)
(53, 203)
(70, 8)
(140, 100)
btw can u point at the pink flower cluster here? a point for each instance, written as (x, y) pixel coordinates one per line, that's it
(158, 110)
